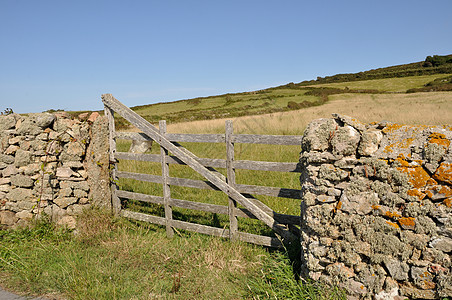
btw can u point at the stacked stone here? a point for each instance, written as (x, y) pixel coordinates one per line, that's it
(44, 167)
(377, 208)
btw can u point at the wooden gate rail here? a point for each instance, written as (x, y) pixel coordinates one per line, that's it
(214, 179)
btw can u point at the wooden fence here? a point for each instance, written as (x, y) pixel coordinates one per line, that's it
(286, 226)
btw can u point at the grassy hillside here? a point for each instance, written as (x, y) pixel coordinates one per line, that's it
(434, 74)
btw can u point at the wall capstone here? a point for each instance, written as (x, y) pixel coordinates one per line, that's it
(377, 208)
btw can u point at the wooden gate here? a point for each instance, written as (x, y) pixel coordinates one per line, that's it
(285, 226)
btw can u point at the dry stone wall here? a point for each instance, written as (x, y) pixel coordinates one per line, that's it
(377, 208)
(52, 164)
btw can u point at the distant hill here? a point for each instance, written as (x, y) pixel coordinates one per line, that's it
(436, 64)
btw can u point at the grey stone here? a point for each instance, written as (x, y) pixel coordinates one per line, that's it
(7, 122)
(397, 269)
(5, 180)
(422, 278)
(345, 141)
(318, 135)
(65, 201)
(68, 222)
(331, 173)
(44, 120)
(22, 181)
(73, 152)
(360, 203)
(370, 141)
(97, 165)
(7, 218)
(443, 244)
(7, 159)
(20, 194)
(140, 146)
(64, 172)
(22, 158)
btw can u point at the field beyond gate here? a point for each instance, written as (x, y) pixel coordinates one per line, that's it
(148, 191)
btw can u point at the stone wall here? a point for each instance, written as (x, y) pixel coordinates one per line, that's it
(52, 164)
(377, 208)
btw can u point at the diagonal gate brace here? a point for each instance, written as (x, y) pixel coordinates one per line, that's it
(188, 158)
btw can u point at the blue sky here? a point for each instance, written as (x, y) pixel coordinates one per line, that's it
(65, 54)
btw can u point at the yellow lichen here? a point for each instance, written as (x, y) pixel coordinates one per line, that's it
(418, 177)
(444, 173)
(407, 223)
(393, 224)
(416, 193)
(448, 202)
(439, 138)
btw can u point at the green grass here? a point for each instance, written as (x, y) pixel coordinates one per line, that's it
(107, 258)
(388, 84)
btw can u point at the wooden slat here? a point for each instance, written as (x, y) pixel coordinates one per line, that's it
(138, 156)
(137, 136)
(267, 139)
(143, 217)
(207, 207)
(220, 232)
(195, 138)
(152, 132)
(218, 138)
(269, 191)
(139, 176)
(267, 166)
(217, 163)
(259, 239)
(140, 197)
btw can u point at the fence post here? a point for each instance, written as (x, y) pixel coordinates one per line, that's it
(232, 204)
(116, 202)
(166, 187)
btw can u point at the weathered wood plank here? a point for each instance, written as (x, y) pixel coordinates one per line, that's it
(165, 184)
(204, 229)
(269, 191)
(267, 166)
(266, 241)
(142, 217)
(152, 132)
(268, 139)
(218, 138)
(139, 176)
(116, 202)
(195, 138)
(137, 136)
(232, 204)
(139, 157)
(140, 197)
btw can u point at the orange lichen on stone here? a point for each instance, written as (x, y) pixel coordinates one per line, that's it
(448, 202)
(392, 215)
(399, 145)
(375, 207)
(444, 173)
(393, 224)
(339, 205)
(391, 128)
(431, 181)
(439, 138)
(407, 223)
(418, 177)
(416, 193)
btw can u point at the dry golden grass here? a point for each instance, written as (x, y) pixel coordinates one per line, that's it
(419, 108)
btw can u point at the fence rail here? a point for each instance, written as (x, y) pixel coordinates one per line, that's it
(284, 225)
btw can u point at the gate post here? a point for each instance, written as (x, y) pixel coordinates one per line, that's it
(232, 204)
(166, 187)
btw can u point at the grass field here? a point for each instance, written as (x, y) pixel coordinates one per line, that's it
(388, 84)
(107, 258)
